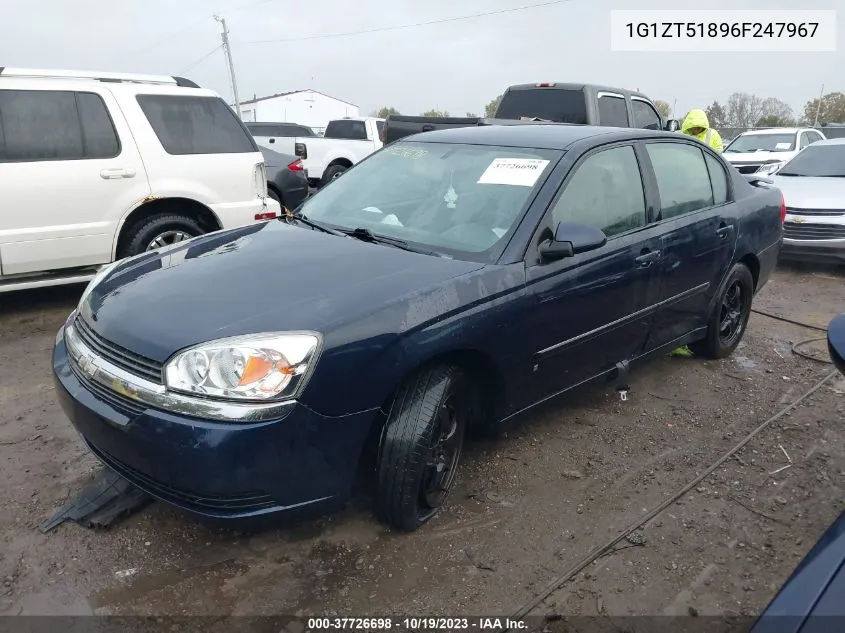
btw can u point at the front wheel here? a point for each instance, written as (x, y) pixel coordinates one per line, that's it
(421, 447)
(729, 318)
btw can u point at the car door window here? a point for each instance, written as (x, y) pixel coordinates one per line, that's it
(718, 179)
(40, 125)
(682, 178)
(814, 137)
(805, 140)
(606, 192)
(645, 116)
(612, 111)
(98, 131)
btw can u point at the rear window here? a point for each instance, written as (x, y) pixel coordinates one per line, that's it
(196, 125)
(347, 129)
(560, 105)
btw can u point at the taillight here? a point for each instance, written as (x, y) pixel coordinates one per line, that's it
(296, 165)
(546, 85)
(782, 209)
(299, 149)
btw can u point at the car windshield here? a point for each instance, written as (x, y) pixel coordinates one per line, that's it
(827, 161)
(762, 143)
(463, 201)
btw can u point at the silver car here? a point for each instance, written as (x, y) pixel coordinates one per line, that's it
(813, 186)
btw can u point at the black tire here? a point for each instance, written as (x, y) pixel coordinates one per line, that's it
(332, 172)
(729, 319)
(411, 488)
(142, 233)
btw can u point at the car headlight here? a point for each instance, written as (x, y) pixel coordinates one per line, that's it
(770, 168)
(253, 367)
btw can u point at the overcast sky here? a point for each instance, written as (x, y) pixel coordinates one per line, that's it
(457, 66)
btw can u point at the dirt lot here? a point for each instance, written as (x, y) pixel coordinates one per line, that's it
(528, 506)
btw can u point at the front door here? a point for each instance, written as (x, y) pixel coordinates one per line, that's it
(698, 236)
(69, 170)
(590, 311)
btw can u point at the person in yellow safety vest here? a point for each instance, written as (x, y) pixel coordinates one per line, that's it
(696, 124)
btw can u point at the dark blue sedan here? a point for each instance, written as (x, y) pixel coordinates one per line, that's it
(454, 278)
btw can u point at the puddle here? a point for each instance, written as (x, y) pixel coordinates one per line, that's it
(745, 362)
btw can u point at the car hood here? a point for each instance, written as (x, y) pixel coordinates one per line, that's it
(263, 278)
(757, 157)
(806, 192)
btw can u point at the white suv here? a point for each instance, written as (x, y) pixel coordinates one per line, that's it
(99, 166)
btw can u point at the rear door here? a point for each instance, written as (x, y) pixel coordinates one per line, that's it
(697, 223)
(590, 311)
(195, 146)
(69, 170)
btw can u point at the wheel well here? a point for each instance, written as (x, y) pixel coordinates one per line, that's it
(479, 367)
(272, 187)
(753, 264)
(184, 206)
(340, 161)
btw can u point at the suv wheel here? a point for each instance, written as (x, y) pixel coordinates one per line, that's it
(332, 172)
(159, 230)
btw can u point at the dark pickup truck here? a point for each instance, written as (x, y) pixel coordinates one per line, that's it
(578, 104)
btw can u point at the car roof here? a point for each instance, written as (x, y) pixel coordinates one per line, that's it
(536, 135)
(776, 130)
(829, 141)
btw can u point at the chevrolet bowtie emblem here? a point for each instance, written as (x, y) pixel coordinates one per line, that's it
(87, 366)
(798, 220)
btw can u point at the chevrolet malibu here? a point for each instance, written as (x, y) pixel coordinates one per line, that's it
(455, 278)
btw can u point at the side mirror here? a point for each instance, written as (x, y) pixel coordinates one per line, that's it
(572, 238)
(672, 125)
(836, 342)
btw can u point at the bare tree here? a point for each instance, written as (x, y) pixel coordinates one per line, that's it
(663, 108)
(744, 109)
(776, 113)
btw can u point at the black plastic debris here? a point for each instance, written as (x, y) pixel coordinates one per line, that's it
(108, 498)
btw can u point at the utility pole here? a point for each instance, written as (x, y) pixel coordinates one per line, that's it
(227, 48)
(818, 108)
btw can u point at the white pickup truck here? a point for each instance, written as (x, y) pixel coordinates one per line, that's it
(346, 142)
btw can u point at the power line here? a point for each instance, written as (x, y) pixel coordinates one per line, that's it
(200, 60)
(406, 26)
(170, 36)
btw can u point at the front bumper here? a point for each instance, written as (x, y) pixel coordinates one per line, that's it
(301, 461)
(814, 251)
(814, 237)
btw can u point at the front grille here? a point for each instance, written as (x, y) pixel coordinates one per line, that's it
(747, 168)
(822, 212)
(795, 231)
(119, 402)
(243, 502)
(122, 357)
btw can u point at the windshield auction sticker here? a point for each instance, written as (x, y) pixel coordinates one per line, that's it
(522, 172)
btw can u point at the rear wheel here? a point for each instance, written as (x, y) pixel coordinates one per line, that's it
(332, 172)
(159, 230)
(730, 316)
(421, 446)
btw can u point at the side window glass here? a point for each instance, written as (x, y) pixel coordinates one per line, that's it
(286, 131)
(606, 192)
(718, 180)
(815, 137)
(805, 140)
(97, 128)
(645, 117)
(682, 178)
(40, 125)
(612, 111)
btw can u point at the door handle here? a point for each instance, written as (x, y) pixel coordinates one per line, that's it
(647, 258)
(117, 172)
(724, 230)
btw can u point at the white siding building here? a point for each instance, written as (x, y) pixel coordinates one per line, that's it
(306, 107)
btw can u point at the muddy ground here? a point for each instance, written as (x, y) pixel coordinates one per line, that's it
(528, 506)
